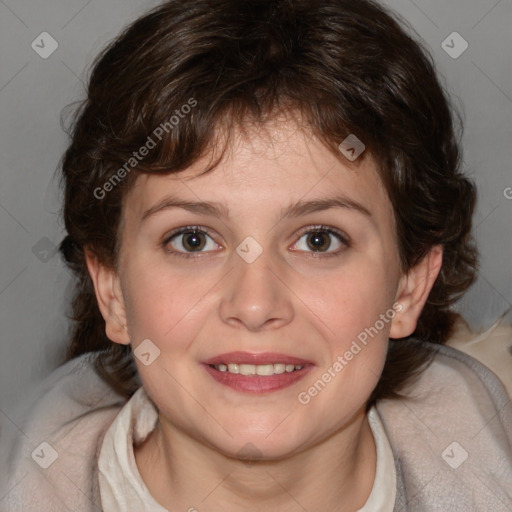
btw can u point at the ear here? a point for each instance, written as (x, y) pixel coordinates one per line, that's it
(110, 299)
(413, 290)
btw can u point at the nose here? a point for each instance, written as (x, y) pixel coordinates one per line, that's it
(256, 295)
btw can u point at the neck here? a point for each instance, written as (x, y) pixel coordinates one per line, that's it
(336, 474)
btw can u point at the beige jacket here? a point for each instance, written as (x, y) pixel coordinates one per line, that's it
(451, 439)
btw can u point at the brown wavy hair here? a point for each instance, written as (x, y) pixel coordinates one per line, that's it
(347, 67)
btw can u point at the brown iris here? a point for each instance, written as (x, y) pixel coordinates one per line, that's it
(193, 240)
(318, 241)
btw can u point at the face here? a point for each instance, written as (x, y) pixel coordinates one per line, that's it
(281, 258)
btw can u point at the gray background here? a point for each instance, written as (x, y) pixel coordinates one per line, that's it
(34, 284)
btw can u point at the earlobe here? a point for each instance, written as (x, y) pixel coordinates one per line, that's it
(110, 299)
(413, 291)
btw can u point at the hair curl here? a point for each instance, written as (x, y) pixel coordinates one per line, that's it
(347, 67)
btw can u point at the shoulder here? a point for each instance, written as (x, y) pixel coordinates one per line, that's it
(49, 464)
(451, 435)
(457, 373)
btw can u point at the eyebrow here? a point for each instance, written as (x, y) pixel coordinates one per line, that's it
(201, 207)
(295, 209)
(300, 208)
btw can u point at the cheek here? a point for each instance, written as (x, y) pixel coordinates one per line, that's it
(352, 309)
(348, 301)
(160, 304)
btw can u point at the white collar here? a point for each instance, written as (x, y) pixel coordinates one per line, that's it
(383, 495)
(123, 490)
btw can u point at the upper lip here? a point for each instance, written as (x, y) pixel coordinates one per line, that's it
(255, 358)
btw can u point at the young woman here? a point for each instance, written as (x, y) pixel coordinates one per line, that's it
(268, 223)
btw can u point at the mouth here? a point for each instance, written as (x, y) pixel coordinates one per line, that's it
(257, 373)
(260, 370)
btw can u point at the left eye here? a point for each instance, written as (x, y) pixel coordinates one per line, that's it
(320, 240)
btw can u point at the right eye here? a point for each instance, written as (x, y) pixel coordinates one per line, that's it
(188, 240)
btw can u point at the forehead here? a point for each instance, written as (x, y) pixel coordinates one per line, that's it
(267, 166)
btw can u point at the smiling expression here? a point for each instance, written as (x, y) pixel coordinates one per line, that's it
(279, 257)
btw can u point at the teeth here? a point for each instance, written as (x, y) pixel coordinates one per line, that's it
(257, 369)
(279, 368)
(265, 369)
(233, 368)
(247, 369)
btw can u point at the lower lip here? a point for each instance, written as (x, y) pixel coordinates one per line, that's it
(256, 383)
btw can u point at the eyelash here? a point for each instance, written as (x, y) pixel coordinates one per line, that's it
(342, 237)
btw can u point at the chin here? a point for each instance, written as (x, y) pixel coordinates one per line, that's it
(259, 446)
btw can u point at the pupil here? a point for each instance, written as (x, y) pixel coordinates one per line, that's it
(318, 241)
(193, 241)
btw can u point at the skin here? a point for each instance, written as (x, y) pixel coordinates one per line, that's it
(291, 299)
